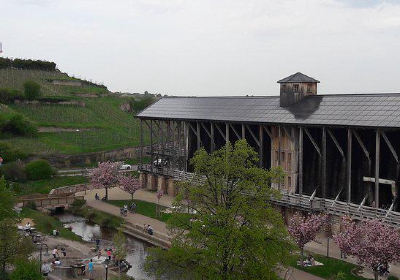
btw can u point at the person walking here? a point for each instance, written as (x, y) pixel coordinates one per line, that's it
(90, 268)
(64, 252)
(55, 252)
(109, 254)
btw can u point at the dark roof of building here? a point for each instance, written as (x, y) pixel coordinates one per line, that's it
(363, 110)
(298, 78)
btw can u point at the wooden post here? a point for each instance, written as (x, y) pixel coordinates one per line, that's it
(198, 136)
(300, 160)
(151, 145)
(185, 144)
(212, 137)
(141, 143)
(261, 147)
(349, 151)
(323, 163)
(377, 161)
(227, 133)
(243, 131)
(279, 152)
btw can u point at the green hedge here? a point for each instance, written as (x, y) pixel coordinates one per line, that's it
(39, 169)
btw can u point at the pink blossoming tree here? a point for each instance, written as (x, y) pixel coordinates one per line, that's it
(104, 176)
(304, 229)
(371, 242)
(129, 184)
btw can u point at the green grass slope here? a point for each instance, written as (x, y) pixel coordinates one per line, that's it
(103, 125)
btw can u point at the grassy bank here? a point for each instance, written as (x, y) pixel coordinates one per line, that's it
(96, 216)
(331, 268)
(46, 224)
(144, 208)
(46, 185)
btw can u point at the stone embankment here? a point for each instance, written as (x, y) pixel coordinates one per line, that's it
(69, 189)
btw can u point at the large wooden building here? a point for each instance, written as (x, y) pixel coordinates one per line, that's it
(340, 152)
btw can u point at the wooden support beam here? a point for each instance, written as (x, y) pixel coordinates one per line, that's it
(198, 136)
(361, 144)
(252, 134)
(267, 131)
(323, 163)
(312, 141)
(300, 160)
(243, 132)
(141, 142)
(159, 125)
(235, 131)
(206, 129)
(279, 152)
(390, 146)
(336, 142)
(148, 126)
(193, 129)
(212, 138)
(261, 146)
(220, 131)
(287, 132)
(349, 152)
(186, 144)
(151, 145)
(377, 162)
(227, 133)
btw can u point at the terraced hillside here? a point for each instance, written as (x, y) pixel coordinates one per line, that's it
(91, 109)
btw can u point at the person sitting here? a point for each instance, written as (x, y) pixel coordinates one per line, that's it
(104, 199)
(150, 229)
(56, 232)
(133, 207)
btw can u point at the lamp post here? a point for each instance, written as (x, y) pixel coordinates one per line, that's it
(106, 267)
(40, 254)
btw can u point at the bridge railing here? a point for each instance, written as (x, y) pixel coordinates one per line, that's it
(51, 201)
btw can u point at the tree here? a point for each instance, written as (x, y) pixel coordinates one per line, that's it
(27, 270)
(104, 176)
(13, 246)
(234, 232)
(7, 201)
(371, 242)
(304, 229)
(31, 90)
(120, 253)
(129, 184)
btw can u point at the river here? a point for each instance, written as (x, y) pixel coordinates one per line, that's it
(137, 249)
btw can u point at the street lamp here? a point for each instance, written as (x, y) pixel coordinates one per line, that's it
(45, 254)
(106, 267)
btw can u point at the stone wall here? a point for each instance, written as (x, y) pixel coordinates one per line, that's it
(69, 189)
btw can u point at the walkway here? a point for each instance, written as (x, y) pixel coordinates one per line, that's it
(318, 247)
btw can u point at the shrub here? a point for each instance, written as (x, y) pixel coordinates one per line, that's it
(7, 96)
(13, 171)
(17, 125)
(9, 154)
(31, 90)
(391, 277)
(39, 169)
(27, 270)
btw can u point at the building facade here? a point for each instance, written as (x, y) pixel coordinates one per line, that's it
(339, 152)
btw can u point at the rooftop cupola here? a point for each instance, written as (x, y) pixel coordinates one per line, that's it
(295, 87)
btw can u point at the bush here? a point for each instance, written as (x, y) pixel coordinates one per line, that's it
(7, 96)
(31, 90)
(17, 125)
(391, 277)
(9, 154)
(39, 169)
(27, 270)
(14, 171)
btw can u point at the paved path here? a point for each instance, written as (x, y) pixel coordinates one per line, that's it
(318, 247)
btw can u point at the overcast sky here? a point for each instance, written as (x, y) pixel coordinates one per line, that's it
(211, 47)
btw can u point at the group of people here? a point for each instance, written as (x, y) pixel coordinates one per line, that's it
(309, 261)
(97, 197)
(148, 229)
(124, 210)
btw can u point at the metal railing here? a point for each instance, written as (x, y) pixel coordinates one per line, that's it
(301, 202)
